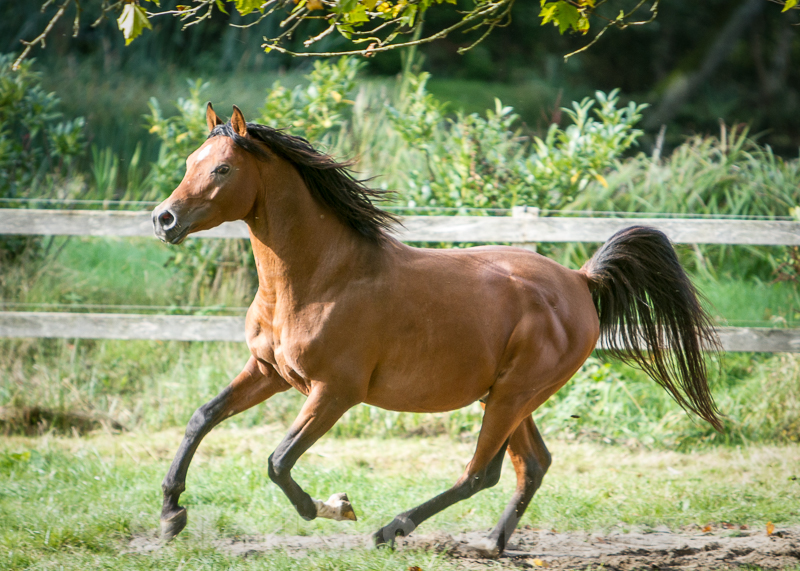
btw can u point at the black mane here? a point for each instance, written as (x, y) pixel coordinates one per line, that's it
(329, 181)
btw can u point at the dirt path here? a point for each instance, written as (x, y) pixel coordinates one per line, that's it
(661, 549)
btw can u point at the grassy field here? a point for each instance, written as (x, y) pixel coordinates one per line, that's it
(69, 503)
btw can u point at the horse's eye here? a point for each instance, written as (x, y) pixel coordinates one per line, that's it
(222, 169)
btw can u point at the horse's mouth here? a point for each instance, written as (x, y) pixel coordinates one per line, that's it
(174, 236)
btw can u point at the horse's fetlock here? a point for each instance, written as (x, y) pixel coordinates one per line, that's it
(172, 488)
(306, 508)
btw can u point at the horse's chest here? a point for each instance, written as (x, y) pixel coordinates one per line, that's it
(287, 341)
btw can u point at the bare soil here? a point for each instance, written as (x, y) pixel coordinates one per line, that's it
(659, 548)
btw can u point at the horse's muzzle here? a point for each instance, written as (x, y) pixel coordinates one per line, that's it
(166, 226)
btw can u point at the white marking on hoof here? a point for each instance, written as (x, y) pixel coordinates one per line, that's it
(337, 507)
(484, 548)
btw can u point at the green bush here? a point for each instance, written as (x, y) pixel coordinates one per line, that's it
(35, 142)
(315, 111)
(472, 161)
(37, 149)
(460, 161)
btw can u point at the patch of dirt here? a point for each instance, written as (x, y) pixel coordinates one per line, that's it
(530, 548)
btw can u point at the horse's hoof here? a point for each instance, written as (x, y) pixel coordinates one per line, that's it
(381, 541)
(400, 526)
(173, 525)
(338, 507)
(484, 549)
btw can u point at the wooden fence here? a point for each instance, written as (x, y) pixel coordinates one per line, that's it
(523, 227)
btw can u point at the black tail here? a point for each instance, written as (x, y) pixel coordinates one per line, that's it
(650, 315)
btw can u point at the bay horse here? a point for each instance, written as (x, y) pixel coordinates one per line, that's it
(346, 314)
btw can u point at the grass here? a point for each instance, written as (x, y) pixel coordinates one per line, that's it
(74, 502)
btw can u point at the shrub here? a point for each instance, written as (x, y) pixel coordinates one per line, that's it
(34, 141)
(472, 161)
(36, 146)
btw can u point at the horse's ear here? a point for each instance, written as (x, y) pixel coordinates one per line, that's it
(212, 119)
(238, 123)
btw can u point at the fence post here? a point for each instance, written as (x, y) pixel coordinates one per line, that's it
(525, 212)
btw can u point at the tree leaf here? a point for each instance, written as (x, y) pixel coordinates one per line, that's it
(789, 5)
(246, 7)
(344, 6)
(133, 21)
(356, 15)
(564, 15)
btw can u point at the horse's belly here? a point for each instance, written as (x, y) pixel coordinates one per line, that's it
(434, 385)
(432, 401)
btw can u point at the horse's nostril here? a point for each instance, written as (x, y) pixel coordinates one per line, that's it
(166, 219)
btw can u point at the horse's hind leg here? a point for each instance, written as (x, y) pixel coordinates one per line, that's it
(531, 460)
(482, 472)
(253, 385)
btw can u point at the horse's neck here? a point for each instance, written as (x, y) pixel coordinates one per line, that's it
(300, 247)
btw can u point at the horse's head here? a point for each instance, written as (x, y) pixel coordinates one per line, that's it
(219, 185)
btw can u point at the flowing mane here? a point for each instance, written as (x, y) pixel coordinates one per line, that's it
(329, 181)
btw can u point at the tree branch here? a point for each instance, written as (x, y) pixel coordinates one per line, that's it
(41, 38)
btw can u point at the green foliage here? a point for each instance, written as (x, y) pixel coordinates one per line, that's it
(133, 21)
(37, 148)
(318, 110)
(472, 161)
(566, 15)
(729, 175)
(35, 142)
(179, 134)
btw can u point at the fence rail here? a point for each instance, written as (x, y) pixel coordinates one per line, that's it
(521, 227)
(221, 328)
(524, 226)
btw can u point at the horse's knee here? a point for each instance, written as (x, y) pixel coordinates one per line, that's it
(545, 461)
(277, 469)
(474, 483)
(535, 469)
(492, 476)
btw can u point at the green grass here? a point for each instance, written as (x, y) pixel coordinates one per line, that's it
(79, 501)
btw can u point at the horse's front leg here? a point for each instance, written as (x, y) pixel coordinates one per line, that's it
(255, 384)
(319, 413)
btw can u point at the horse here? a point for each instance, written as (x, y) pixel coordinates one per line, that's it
(347, 314)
